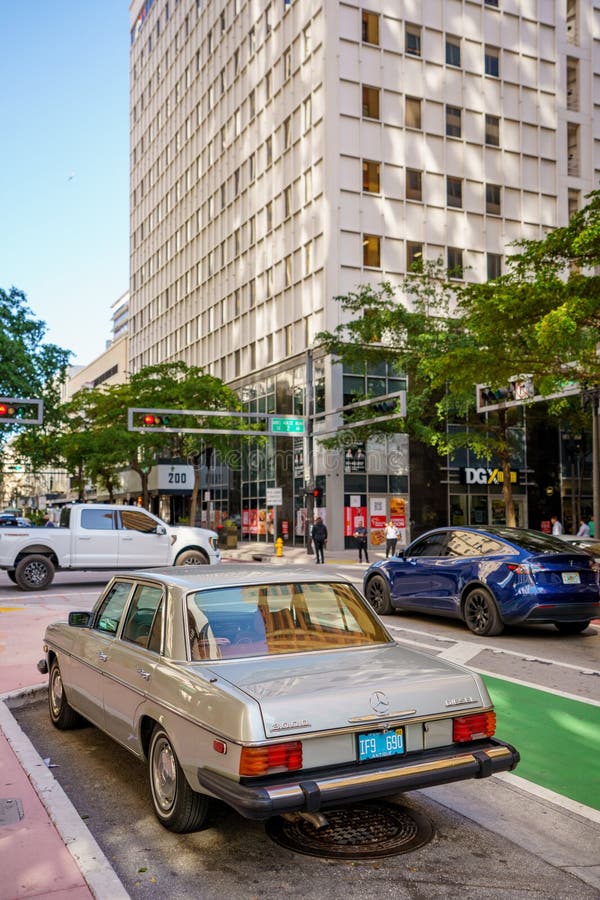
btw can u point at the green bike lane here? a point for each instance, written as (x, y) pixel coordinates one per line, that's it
(557, 736)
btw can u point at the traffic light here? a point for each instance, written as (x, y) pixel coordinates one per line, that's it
(151, 420)
(21, 411)
(317, 495)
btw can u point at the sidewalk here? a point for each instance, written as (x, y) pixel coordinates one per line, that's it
(261, 551)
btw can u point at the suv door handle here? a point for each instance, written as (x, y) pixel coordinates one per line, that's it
(102, 656)
(145, 675)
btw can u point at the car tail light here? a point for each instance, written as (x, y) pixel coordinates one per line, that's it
(471, 728)
(262, 760)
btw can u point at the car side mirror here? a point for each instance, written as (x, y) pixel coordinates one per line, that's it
(80, 619)
(160, 529)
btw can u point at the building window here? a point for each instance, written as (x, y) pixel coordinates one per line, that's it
(269, 150)
(269, 215)
(251, 41)
(287, 64)
(453, 121)
(492, 199)
(306, 42)
(370, 27)
(492, 131)
(490, 2)
(572, 83)
(414, 190)
(494, 266)
(492, 61)
(308, 186)
(288, 270)
(574, 201)
(414, 256)
(287, 202)
(454, 192)
(307, 258)
(287, 133)
(453, 51)
(307, 113)
(268, 85)
(573, 148)
(455, 263)
(412, 39)
(371, 251)
(370, 102)
(412, 114)
(371, 176)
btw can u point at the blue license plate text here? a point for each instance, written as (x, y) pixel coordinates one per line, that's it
(379, 744)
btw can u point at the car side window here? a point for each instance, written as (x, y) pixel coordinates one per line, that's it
(141, 615)
(434, 545)
(470, 543)
(109, 614)
(132, 519)
(97, 519)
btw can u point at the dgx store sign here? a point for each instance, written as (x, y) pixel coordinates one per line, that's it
(486, 475)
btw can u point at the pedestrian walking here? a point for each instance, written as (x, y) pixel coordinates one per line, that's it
(319, 539)
(584, 529)
(391, 539)
(556, 525)
(361, 536)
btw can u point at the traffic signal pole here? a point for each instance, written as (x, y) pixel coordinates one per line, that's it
(309, 466)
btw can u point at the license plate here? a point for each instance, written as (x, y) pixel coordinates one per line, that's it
(571, 578)
(380, 744)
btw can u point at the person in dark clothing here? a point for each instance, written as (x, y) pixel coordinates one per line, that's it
(361, 535)
(319, 539)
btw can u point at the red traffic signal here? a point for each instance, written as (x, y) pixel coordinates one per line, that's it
(3, 409)
(152, 420)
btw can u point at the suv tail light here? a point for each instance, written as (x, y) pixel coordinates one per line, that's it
(262, 760)
(472, 728)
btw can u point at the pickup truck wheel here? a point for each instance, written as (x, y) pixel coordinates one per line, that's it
(192, 558)
(62, 715)
(34, 573)
(11, 575)
(177, 806)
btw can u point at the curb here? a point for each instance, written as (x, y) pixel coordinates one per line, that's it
(89, 858)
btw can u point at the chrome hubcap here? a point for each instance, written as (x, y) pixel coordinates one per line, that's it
(56, 692)
(35, 573)
(164, 774)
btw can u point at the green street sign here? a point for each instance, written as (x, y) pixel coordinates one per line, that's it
(286, 424)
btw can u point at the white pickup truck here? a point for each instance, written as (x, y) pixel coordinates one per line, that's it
(101, 536)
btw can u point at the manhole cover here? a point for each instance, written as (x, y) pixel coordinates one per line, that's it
(362, 831)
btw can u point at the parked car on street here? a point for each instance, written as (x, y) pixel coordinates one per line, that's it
(592, 545)
(9, 521)
(101, 536)
(274, 690)
(489, 577)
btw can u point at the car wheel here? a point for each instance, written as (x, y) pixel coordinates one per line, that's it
(378, 594)
(481, 614)
(177, 806)
(571, 627)
(192, 558)
(34, 573)
(63, 715)
(11, 575)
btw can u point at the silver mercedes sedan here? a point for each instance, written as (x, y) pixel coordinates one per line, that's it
(276, 690)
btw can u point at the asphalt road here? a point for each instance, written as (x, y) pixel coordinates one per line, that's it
(495, 859)
(235, 858)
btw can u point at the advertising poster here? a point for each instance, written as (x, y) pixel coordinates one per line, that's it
(398, 511)
(377, 520)
(353, 517)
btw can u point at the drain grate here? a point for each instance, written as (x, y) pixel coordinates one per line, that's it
(11, 811)
(362, 831)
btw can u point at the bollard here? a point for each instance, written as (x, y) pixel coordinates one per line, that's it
(279, 547)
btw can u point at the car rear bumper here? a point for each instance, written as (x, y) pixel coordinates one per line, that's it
(326, 790)
(559, 612)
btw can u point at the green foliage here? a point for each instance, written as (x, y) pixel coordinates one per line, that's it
(30, 368)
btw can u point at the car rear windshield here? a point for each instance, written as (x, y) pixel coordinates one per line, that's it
(268, 619)
(533, 541)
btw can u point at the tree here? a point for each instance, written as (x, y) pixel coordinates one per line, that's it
(540, 318)
(30, 368)
(98, 444)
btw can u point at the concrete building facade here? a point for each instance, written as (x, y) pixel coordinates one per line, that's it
(283, 153)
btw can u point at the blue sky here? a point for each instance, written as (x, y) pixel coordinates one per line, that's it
(64, 164)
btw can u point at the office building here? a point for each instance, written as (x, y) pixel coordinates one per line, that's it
(283, 153)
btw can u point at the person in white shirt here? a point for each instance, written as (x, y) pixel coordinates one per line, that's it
(584, 529)
(556, 525)
(391, 538)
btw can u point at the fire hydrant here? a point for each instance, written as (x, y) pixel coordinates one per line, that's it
(279, 547)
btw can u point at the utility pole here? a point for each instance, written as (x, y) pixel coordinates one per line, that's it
(309, 468)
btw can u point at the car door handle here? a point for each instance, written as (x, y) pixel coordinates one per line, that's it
(126, 538)
(84, 538)
(102, 656)
(145, 675)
